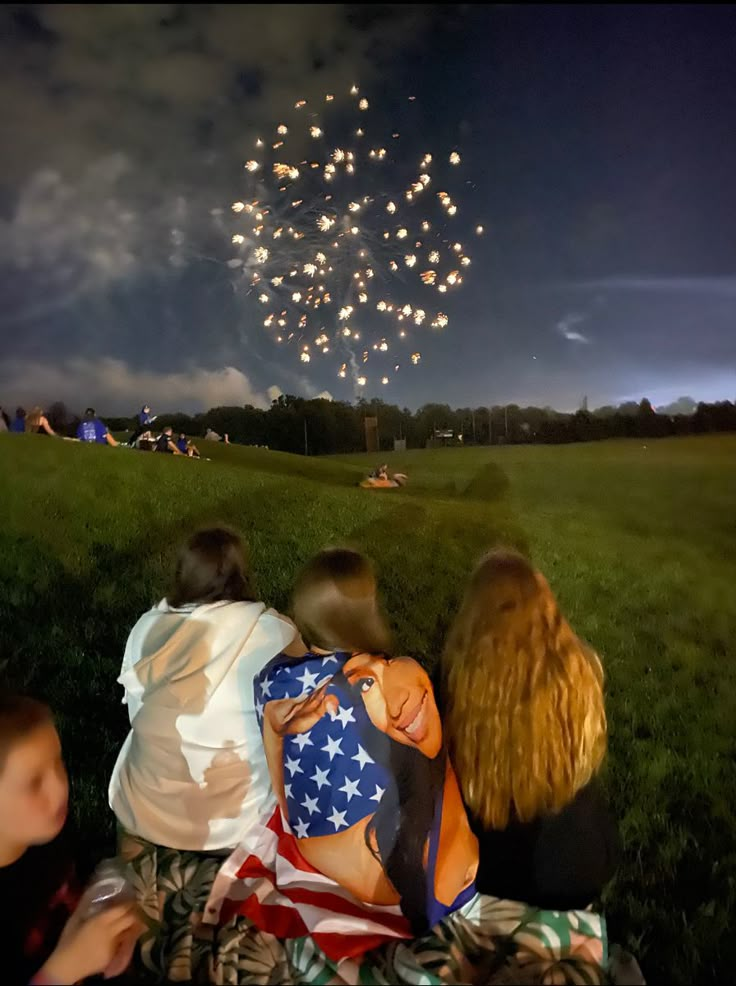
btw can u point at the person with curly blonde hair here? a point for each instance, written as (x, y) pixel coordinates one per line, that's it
(525, 726)
(37, 423)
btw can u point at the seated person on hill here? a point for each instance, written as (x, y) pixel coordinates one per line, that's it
(165, 442)
(381, 478)
(145, 441)
(4, 421)
(195, 782)
(186, 447)
(91, 429)
(43, 940)
(37, 423)
(522, 696)
(397, 848)
(18, 424)
(145, 420)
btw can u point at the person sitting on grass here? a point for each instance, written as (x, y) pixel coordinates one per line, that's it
(145, 442)
(525, 722)
(37, 423)
(165, 442)
(144, 421)
(91, 429)
(43, 940)
(380, 472)
(4, 421)
(186, 447)
(192, 774)
(18, 424)
(397, 855)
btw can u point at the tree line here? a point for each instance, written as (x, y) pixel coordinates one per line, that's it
(322, 427)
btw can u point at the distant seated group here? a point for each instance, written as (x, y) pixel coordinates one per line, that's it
(326, 809)
(143, 437)
(92, 429)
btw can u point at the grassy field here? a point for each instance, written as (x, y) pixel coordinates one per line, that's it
(638, 541)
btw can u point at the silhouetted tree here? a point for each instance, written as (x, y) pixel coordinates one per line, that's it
(338, 427)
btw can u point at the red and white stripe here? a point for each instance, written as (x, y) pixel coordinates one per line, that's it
(268, 880)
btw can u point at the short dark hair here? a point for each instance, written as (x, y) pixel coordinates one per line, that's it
(89, 413)
(20, 412)
(19, 717)
(212, 567)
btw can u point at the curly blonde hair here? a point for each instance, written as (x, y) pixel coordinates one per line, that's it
(34, 418)
(525, 718)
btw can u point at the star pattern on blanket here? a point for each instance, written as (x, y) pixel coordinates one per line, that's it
(332, 780)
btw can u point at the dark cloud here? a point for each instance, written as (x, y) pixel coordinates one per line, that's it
(601, 146)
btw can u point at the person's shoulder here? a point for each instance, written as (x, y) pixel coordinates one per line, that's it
(585, 825)
(284, 665)
(156, 612)
(230, 613)
(270, 615)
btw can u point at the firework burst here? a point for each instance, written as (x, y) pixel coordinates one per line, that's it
(342, 240)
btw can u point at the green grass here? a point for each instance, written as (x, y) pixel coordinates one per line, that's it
(639, 542)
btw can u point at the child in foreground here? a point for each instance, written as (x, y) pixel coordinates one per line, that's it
(45, 942)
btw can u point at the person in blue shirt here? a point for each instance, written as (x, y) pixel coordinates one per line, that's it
(186, 447)
(145, 420)
(91, 429)
(18, 424)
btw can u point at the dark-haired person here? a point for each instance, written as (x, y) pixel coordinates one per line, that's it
(44, 942)
(18, 424)
(145, 419)
(192, 773)
(91, 429)
(165, 442)
(38, 424)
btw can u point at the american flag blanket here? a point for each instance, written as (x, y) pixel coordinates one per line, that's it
(268, 881)
(487, 941)
(353, 738)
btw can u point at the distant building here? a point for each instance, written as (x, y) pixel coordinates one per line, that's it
(444, 436)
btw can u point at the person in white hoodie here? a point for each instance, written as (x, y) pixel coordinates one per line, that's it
(192, 773)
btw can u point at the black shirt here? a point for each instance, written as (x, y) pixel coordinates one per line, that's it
(38, 892)
(560, 862)
(162, 444)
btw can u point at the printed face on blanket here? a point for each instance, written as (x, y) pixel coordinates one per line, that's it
(370, 824)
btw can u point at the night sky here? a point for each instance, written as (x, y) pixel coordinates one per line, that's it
(600, 143)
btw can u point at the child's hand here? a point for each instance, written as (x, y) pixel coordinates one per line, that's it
(88, 948)
(287, 716)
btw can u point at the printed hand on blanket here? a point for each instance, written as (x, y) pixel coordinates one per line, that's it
(363, 780)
